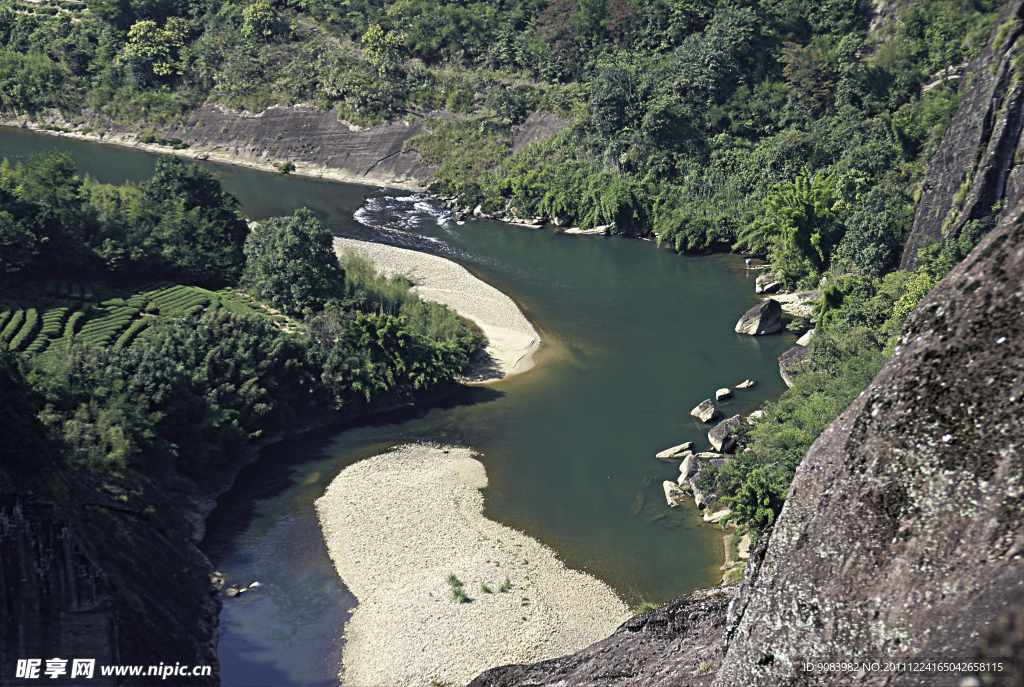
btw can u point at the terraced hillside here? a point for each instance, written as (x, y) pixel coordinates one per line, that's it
(41, 319)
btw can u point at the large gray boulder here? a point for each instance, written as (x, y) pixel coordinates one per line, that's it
(705, 411)
(791, 364)
(723, 435)
(903, 531)
(763, 318)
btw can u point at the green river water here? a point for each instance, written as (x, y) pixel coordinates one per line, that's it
(633, 338)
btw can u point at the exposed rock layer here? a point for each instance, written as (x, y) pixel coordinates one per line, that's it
(137, 591)
(975, 173)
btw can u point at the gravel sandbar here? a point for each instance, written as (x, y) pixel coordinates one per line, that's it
(512, 340)
(397, 526)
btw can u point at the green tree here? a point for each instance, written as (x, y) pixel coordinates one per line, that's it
(381, 49)
(290, 263)
(800, 225)
(758, 501)
(258, 20)
(195, 222)
(157, 48)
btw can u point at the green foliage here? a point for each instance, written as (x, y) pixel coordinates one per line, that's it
(458, 592)
(799, 228)
(506, 585)
(157, 47)
(258, 20)
(758, 500)
(290, 263)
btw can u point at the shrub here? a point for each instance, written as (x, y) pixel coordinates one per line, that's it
(27, 330)
(458, 591)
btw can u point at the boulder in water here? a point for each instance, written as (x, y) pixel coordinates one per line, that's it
(705, 411)
(675, 451)
(723, 436)
(763, 318)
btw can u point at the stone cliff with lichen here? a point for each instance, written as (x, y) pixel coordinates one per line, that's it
(976, 173)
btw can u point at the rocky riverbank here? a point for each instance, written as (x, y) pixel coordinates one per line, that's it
(511, 339)
(399, 526)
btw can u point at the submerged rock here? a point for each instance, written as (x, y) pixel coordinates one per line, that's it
(763, 318)
(674, 494)
(705, 411)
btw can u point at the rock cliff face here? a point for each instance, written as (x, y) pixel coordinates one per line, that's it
(315, 141)
(115, 578)
(678, 644)
(903, 531)
(976, 173)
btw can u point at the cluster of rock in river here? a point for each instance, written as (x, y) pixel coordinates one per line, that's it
(723, 441)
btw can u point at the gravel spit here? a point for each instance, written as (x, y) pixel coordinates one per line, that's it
(512, 340)
(397, 526)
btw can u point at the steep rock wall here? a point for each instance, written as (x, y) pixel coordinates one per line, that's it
(976, 172)
(903, 531)
(678, 643)
(113, 576)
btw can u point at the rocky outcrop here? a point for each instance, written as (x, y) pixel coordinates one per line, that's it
(316, 142)
(976, 174)
(763, 318)
(767, 283)
(746, 384)
(723, 393)
(678, 643)
(798, 304)
(791, 364)
(675, 451)
(537, 127)
(120, 580)
(723, 435)
(903, 531)
(705, 411)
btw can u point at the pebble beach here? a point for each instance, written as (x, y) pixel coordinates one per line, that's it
(398, 526)
(512, 340)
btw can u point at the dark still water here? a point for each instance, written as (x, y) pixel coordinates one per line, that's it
(634, 337)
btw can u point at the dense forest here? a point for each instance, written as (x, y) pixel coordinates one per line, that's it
(243, 333)
(797, 131)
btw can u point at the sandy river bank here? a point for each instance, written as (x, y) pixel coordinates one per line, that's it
(398, 525)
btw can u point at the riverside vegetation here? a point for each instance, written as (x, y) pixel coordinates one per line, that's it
(243, 334)
(793, 130)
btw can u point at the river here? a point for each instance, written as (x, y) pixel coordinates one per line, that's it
(633, 338)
